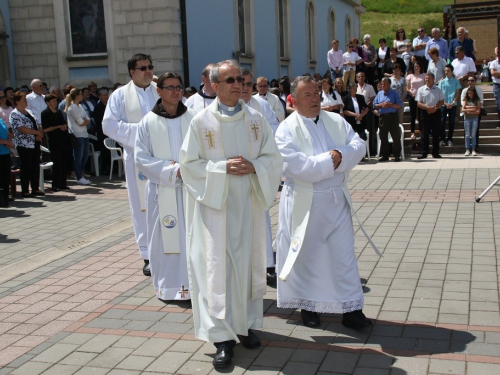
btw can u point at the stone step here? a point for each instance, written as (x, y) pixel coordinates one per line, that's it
(459, 139)
(460, 149)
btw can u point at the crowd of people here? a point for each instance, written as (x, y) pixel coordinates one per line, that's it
(203, 167)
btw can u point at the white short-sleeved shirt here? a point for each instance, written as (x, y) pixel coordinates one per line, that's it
(464, 66)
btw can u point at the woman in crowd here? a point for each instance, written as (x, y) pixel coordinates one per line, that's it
(5, 109)
(471, 107)
(400, 41)
(28, 135)
(414, 81)
(356, 48)
(436, 65)
(338, 84)
(369, 58)
(284, 87)
(398, 84)
(77, 123)
(449, 32)
(330, 101)
(53, 122)
(5, 146)
(381, 54)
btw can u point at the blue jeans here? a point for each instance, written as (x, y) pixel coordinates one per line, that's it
(80, 154)
(470, 127)
(335, 75)
(496, 92)
(452, 113)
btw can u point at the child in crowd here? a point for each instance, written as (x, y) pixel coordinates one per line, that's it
(407, 55)
(471, 107)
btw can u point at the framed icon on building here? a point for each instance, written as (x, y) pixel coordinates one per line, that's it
(88, 31)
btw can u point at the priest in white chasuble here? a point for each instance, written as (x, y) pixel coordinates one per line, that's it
(231, 168)
(126, 107)
(316, 262)
(263, 107)
(157, 146)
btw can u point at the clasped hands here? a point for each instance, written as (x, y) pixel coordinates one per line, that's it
(336, 158)
(239, 166)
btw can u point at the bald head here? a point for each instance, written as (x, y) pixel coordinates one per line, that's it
(36, 86)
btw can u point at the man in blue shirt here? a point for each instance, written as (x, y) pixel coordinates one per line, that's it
(451, 88)
(387, 102)
(437, 42)
(460, 41)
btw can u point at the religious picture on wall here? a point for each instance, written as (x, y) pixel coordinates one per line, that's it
(88, 32)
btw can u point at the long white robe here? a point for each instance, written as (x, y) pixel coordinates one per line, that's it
(198, 103)
(325, 276)
(275, 104)
(261, 106)
(168, 271)
(116, 126)
(209, 186)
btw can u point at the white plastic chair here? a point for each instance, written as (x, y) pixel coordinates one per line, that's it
(402, 130)
(43, 167)
(116, 154)
(94, 160)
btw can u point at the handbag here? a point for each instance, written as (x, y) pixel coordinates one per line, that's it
(483, 112)
(72, 140)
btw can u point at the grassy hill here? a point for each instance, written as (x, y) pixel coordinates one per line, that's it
(384, 17)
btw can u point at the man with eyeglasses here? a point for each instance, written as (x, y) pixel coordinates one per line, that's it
(36, 101)
(437, 42)
(273, 100)
(231, 169)
(157, 146)
(451, 89)
(126, 107)
(464, 67)
(205, 95)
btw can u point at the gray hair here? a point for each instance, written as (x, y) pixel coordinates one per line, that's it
(351, 85)
(367, 36)
(53, 88)
(102, 90)
(386, 79)
(460, 49)
(296, 81)
(33, 82)
(461, 27)
(435, 29)
(246, 72)
(429, 74)
(214, 72)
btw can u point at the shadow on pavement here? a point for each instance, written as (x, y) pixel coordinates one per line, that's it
(4, 239)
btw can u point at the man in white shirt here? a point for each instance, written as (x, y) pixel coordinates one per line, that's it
(351, 59)
(335, 60)
(273, 100)
(126, 107)
(420, 42)
(495, 75)
(205, 95)
(36, 101)
(463, 66)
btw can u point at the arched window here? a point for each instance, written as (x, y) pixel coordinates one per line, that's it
(311, 32)
(331, 25)
(348, 32)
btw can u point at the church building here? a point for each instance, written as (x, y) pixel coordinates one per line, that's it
(77, 41)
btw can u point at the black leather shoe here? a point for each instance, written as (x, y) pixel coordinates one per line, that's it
(26, 195)
(38, 193)
(271, 274)
(310, 319)
(397, 158)
(146, 270)
(222, 357)
(356, 320)
(423, 156)
(437, 156)
(251, 341)
(55, 190)
(66, 188)
(383, 158)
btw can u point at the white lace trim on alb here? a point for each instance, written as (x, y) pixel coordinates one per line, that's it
(321, 307)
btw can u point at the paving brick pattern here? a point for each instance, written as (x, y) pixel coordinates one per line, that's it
(434, 296)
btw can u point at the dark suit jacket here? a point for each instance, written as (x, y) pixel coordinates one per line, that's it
(388, 65)
(349, 106)
(98, 116)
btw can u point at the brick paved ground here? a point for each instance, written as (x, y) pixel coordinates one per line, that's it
(434, 294)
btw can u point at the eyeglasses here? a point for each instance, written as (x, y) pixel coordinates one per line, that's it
(248, 84)
(262, 86)
(231, 80)
(172, 88)
(145, 67)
